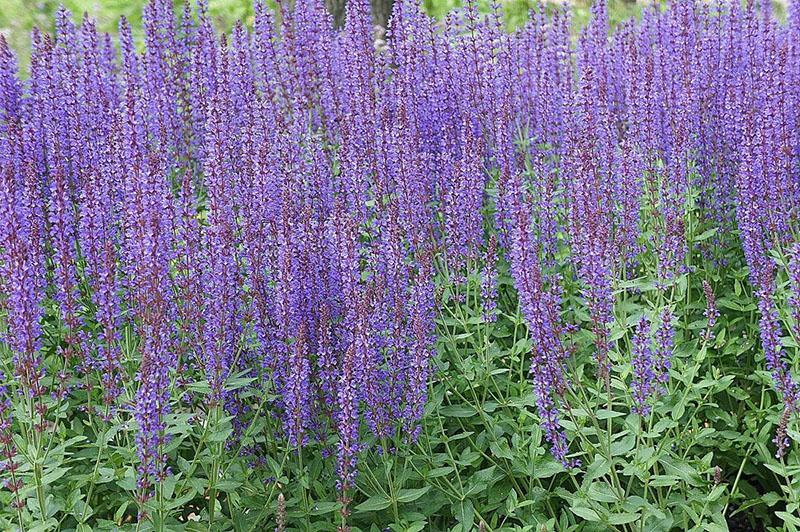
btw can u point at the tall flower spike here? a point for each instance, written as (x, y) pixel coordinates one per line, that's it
(421, 316)
(711, 312)
(342, 232)
(794, 287)
(643, 384)
(10, 86)
(221, 329)
(19, 260)
(540, 303)
(664, 346)
(147, 256)
(489, 281)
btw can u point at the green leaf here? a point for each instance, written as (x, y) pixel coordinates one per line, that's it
(547, 468)
(128, 482)
(623, 446)
(221, 433)
(723, 383)
(662, 481)
(788, 518)
(678, 410)
(605, 414)
(374, 504)
(623, 518)
(465, 513)
(183, 499)
(53, 475)
(717, 492)
(705, 235)
(121, 510)
(418, 526)
(585, 513)
(44, 526)
(227, 485)
(599, 467)
(682, 470)
(440, 472)
(501, 450)
(411, 495)
(325, 507)
(457, 411)
(601, 492)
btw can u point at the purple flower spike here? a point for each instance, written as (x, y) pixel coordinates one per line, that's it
(643, 384)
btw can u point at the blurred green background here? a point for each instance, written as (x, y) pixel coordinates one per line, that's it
(18, 17)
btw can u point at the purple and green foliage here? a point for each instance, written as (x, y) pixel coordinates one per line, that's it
(430, 276)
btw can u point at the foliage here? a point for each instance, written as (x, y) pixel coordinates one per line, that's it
(459, 279)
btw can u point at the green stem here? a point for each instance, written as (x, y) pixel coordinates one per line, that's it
(212, 492)
(37, 474)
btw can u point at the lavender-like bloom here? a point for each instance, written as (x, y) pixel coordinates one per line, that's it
(781, 439)
(347, 421)
(98, 238)
(63, 236)
(628, 190)
(21, 253)
(794, 287)
(189, 274)
(757, 211)
(590, 192)
(147, 253)
(393, 275)
(10, 87)
(421, 317)
(357, 153)
(540, 301)
(221, 282)
(643, 385)
(98, 213)
(461, 205)
(342, 229)
(489, 281)
(297, 394)
(770, 329)
(152, 404)
(711, 312)
(662, 361)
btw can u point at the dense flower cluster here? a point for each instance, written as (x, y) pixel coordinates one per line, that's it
(282, 203)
